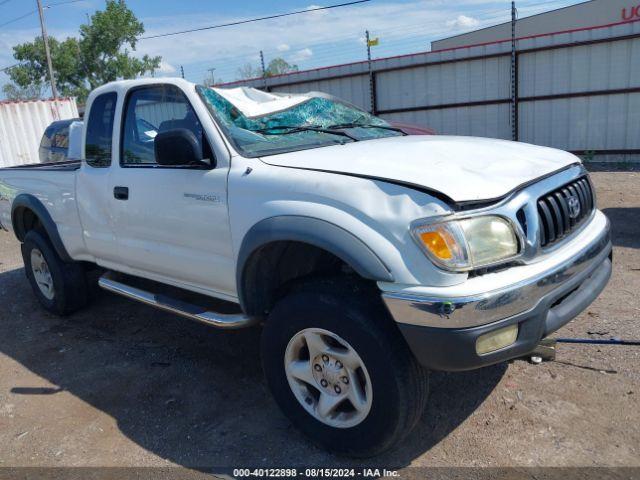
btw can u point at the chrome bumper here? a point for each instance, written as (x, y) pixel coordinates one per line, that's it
(466, 312)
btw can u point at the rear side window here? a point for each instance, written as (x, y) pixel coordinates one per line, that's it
(46, 138)
(100, 130)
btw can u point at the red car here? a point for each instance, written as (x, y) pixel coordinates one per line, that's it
(411, 129)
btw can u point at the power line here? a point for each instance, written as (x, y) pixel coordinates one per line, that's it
(321, 51)
(36, 11)
(240, 22)
(18, 18)
(58, 4)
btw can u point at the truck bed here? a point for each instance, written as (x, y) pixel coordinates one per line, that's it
(57, 166)
(52, 184)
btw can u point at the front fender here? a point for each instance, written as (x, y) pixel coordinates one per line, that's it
(319, 233)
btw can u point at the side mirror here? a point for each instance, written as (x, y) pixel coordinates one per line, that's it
(177, 147)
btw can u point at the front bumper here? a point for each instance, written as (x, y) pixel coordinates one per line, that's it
(539, 307)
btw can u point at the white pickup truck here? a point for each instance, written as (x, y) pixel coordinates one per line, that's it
(368, 256)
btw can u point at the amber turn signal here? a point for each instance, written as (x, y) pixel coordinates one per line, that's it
(436, 244)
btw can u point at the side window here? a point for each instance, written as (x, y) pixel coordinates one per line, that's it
(153, 110)
(100, 130)
(61, 138)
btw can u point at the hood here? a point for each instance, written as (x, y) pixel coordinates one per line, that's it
(465, 169)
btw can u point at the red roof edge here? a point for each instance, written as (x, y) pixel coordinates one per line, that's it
(60, 99)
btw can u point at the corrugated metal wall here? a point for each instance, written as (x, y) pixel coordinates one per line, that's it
(578, 91)
(22, 125)
(488, 121)
(157, 112)
(605, 118)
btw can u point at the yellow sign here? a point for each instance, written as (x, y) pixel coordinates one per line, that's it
(374, 42)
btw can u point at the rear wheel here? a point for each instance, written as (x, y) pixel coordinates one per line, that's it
(60, 287)
(340, 370)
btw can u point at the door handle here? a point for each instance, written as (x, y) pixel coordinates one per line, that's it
(121, 193)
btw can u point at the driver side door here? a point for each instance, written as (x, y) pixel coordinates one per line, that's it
(171, 222)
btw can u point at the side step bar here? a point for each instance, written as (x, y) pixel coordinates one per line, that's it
(163, 302)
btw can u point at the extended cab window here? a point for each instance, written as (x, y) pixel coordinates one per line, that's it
(100, 130)
(153, 110)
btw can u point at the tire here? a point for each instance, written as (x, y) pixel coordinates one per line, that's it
(61, 288)
(353, 318)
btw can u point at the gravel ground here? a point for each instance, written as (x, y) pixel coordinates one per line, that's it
(121, 384)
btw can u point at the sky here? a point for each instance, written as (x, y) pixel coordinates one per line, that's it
(309, 40)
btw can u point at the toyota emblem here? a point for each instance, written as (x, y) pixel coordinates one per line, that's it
(574, 206)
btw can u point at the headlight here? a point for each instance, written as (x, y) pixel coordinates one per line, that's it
(467, 244)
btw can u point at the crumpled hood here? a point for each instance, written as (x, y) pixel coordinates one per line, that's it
(462, 168)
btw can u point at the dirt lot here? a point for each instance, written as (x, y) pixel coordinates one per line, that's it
(121, 384)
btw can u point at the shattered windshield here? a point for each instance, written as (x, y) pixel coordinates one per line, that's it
(306, 122)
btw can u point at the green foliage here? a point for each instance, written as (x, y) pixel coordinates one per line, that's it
(588, 156)
(14, 92)
(99, 56)
(279, 66)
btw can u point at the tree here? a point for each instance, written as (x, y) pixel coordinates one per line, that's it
(248, 71)
(31, 75)
(279, 66)
(100, 55)
(14, 92)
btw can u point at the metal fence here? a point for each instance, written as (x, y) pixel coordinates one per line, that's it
(577, 90)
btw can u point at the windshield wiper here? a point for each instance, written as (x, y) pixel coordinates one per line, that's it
(287, 129)
(366, 125)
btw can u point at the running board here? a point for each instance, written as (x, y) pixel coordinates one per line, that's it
(164, 302)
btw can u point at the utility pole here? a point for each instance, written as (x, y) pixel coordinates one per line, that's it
(45, 39)
(211, 70)
(372, 80)
(264, 70)
(182, 71)
(514, 74)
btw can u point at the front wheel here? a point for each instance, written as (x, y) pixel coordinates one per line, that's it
(340, 370)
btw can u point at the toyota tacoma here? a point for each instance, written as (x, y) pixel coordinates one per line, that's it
(367, 256)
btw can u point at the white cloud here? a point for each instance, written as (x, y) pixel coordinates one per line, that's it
(463, 22)
(166, 67)
(316, 12)
(323, 37)
(302, 55)
(318, 38)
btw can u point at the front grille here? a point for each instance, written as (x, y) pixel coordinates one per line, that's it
(564, 209)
